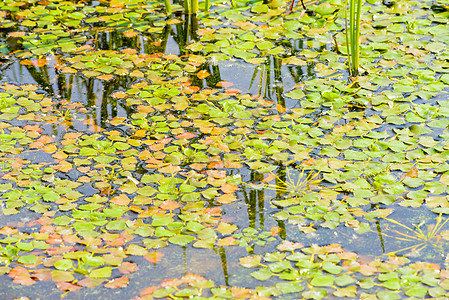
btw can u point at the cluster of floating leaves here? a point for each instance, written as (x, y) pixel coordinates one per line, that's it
(159, 174)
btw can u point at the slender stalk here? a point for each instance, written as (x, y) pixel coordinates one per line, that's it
(207, 5)
(187, 7)
(353, 34)
(194, 6)
(168, 9)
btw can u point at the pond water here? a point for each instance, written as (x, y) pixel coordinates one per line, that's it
(224, 155)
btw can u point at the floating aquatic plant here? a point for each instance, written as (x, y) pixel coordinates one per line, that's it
(294, 185)
(419, 236)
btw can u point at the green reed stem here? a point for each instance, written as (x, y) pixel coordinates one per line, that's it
(353, 34)
(168, 9)
(194, 6)
(187, 6)
(207, 5)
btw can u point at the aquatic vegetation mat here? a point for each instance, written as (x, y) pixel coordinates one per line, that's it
(227, 154)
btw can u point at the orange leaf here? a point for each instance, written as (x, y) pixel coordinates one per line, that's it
(140, 133)
(121, 199)
(202, 74)
(224, 84)
(198, 166)
(42, 274)
(216, 173)
(117, 121)
(275, 230)
(117, 3)
(148, 291)
(189, 278)
(64, 166)
(45, 139)
(227, 241)
(169, 205)
(67, 286)
(333, 248)
(8, 230)
(229, 188)
(44, 221)
(128, 267)
(289, 246)
(129, 51)
(202, 31)
(232, 92)
(170, 169)
(117, 283)
(24, 280)
(171, 282)
(226, 198)
(130, 33)
(90, 282)
(185, 135)
(50, 148)
(144, 155)
(367, 270)
(18, 271)
(34, 128)
(119, 95)
(105, 77)
(213, 211)
(216, 165)
(16, 34)
(154, 257)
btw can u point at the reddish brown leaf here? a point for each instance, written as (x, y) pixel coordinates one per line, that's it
(213, 211)
(117, 283)
(189, 278)
(148, 291)
(289, 246)
(90, 282)
(224, 84)
(35, 128)
(18, 271)
(24, 280)
(42, 274)
(128, 267)
(185, 135)
(67, 286)
(171, 282)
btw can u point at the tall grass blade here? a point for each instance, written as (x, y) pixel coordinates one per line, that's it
(194, 6)
(352, 23)
(207, 5)
(168, 9)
